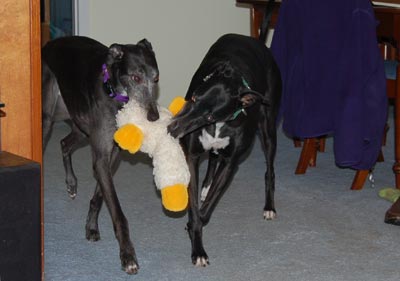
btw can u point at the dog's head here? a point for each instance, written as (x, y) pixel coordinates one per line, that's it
(217, 97)
(134, 73)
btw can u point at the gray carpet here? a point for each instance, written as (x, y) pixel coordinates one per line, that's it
(324, 231)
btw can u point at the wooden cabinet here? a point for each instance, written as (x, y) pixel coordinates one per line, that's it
(20, 73)
(20, 91)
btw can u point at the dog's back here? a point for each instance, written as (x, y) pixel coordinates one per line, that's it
(75, 62)
(242, 51)
(75, 56)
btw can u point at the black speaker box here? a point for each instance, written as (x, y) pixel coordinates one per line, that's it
(20, 230)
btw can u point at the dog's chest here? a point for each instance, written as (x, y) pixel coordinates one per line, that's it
(210, 139)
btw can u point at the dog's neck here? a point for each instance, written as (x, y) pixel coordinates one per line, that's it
(110, 89)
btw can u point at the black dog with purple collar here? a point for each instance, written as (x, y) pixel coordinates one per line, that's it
(86, 82)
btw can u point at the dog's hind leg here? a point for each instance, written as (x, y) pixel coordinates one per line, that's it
(212, 165)
(68, 145)
(92, 227)
(267, 130)
(49, 102)
(53, 106)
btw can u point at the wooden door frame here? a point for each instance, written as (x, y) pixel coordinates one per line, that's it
(36, 102)
(36, 105)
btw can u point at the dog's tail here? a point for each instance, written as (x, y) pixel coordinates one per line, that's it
(267, 18)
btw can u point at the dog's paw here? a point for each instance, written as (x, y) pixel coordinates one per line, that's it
(72, 191)
(199, 257)
(129, 264)
(92, 235)
(131, 269)
(201, 261)
(72, 186)
(269, 215)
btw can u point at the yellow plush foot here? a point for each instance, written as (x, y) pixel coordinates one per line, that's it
(175, 197)
(129, 137)
(176, 105)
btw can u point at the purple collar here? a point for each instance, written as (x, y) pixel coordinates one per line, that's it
(106, 80)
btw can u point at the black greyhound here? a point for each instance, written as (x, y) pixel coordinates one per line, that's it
(86, 82)
(235, 91)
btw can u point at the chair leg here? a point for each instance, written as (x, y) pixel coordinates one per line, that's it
(361, 175)
(321, 144)
(308, 156)
(359, 179)
(380, 157)
(297, 142)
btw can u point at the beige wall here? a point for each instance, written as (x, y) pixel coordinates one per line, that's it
(181, 31)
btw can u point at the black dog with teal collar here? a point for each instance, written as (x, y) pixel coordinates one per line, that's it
(234, 93)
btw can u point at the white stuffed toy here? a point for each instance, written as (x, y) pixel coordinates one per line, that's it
(171, 172)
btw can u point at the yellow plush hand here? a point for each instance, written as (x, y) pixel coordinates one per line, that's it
(129, 137)
(175, 197)
(176, 105)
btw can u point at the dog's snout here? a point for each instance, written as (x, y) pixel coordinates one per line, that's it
(173, 129)
(152, 112)
(153, 115)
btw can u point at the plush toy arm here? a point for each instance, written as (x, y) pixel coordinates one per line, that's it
(129, 137)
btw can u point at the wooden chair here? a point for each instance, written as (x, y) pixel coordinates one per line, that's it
(311, 146)
(392, 68)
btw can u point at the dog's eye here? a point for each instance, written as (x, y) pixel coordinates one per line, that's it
(137, 78)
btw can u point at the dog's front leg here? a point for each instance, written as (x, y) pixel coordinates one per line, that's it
(103, 175)
(195, 225)
(92, 227)
(219, 184)
(212, 166)
(223, 176)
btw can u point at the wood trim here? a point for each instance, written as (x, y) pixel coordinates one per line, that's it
(36, 106)
(387, 1)
(36, 99)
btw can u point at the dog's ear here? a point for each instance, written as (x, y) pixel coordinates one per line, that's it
(146, 44)
(248, 99)
(115, 53)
